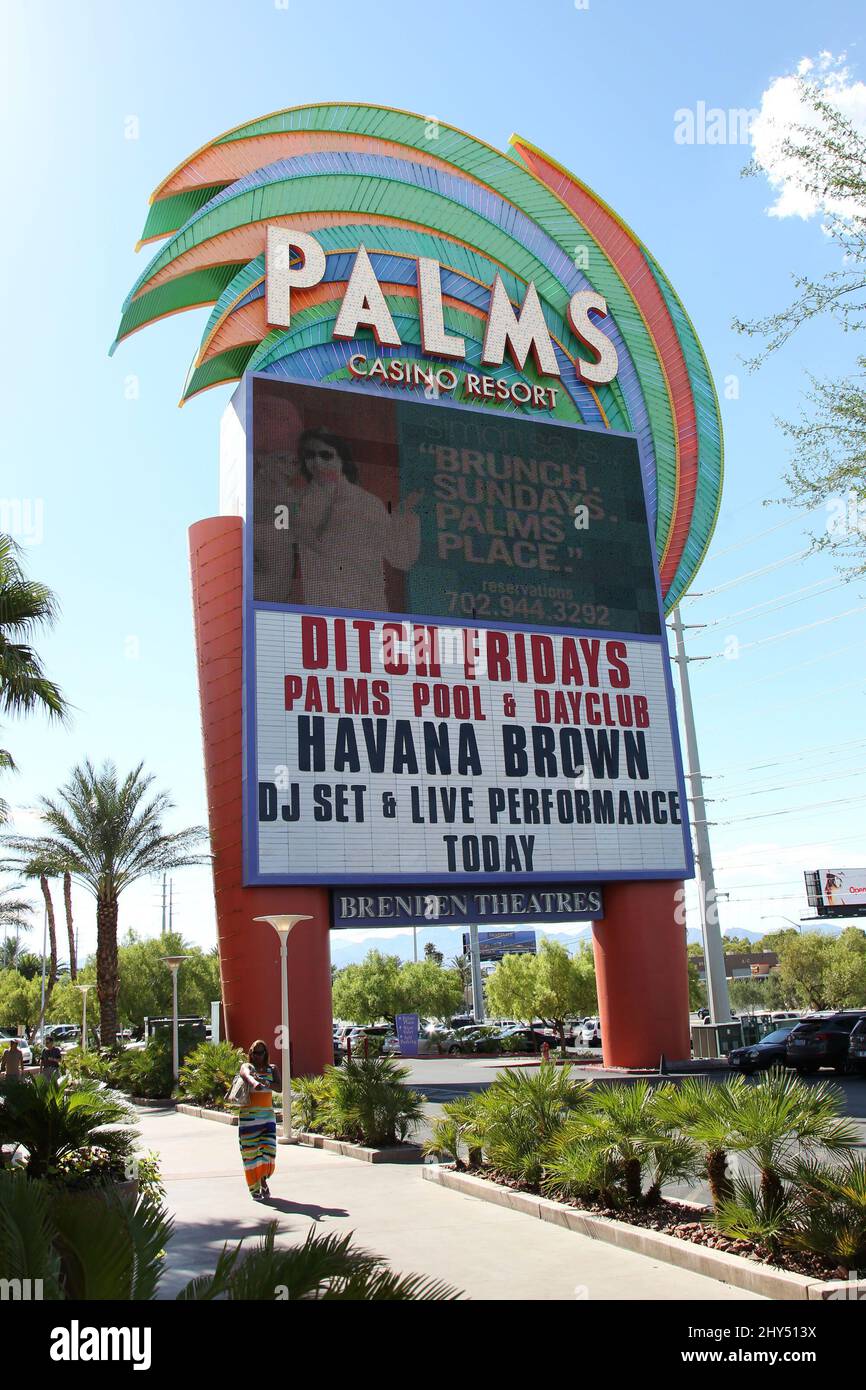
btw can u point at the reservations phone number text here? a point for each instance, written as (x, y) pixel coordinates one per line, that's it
(530, 609)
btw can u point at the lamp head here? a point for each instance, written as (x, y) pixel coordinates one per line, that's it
(173, 962)
(282, 922)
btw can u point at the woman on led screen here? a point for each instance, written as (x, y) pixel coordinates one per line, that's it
(343, 533)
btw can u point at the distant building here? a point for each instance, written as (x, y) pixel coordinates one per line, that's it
(743, 965)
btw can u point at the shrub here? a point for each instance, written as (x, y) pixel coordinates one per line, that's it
(520, 1115)
(52, 1118)
(309, 1093)
(456, 1130)
(324, 1267)
(208, 1071)
(111, 1248)
(366, 1101)
(82, 1246)
(623, 1139)
(84, 1065)
(831, 1220)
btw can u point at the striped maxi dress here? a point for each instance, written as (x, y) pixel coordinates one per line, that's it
(257, 1132)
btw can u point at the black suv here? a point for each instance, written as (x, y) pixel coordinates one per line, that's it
(857, 1048)
(822, 1042)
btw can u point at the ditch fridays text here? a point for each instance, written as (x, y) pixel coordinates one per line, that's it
(491, 742)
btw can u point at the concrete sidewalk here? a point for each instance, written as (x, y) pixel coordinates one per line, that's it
(486, 1251)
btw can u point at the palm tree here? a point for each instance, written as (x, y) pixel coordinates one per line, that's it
(25, 606)
(107, 833)
(14, 912)
(782, 1119)
(706, 1111)
(625, 1134)
(70, 931)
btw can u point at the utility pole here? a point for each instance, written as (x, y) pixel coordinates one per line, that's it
(714, 955)
(477, 986)
(163, 904)
(171, 904)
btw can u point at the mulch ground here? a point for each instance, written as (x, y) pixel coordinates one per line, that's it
(686, 1223)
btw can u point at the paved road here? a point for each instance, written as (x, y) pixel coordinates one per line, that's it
(488, 1252)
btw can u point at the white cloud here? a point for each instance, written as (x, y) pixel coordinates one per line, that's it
(782, 108)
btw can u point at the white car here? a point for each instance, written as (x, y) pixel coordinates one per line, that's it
(589, 1033)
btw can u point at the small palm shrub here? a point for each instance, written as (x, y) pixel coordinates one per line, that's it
(782, 1119)
(208, 1072)
(52, 1118)
(367, 1101)
(323, 1268)
(626, 1141)
(309, 1093)
(757, 1212)
(831, 1219)
(457, 1131)
(706, 1111)
(521, 1114)
(81, 1246)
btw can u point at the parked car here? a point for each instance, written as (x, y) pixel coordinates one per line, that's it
(822, 1042)
(429, 1044)
(769, 1052)
(528, 1039)
(589, 1034)
(464, 1039)
(62, 1032)
(857, 1048)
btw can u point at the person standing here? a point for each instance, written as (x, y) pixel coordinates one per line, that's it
(12, 1061)
(257, 1123)
(49, 1062)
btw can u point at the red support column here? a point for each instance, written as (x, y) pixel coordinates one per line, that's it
(642, 974)
(249, 950)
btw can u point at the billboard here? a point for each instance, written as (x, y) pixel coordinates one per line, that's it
(371, 504)
(493, 945)
(455, 666)
(837, 892)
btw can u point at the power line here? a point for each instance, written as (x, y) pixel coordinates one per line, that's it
(784, 849)
(793, 810)
(792, 631)
(785, 786)
(750, 540)
(785, 671)
(750, 615)
(753, 574)
(804, 753)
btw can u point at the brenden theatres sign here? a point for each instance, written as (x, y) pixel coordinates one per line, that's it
(400, 907)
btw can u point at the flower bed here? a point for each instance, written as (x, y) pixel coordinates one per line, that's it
(687, 1221)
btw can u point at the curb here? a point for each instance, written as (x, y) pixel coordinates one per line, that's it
(221, 1116)
(402, 1153)
(741, 1273)
(148, 1102)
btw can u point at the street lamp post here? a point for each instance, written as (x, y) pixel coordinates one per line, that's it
(282, 924)
(780, 916)
(173, 963)
(84, 989)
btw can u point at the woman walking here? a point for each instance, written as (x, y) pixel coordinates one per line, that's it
(257, 1123)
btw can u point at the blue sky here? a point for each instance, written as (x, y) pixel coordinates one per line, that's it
(119, 472)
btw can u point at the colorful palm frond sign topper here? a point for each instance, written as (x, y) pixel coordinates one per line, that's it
(400, 245)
